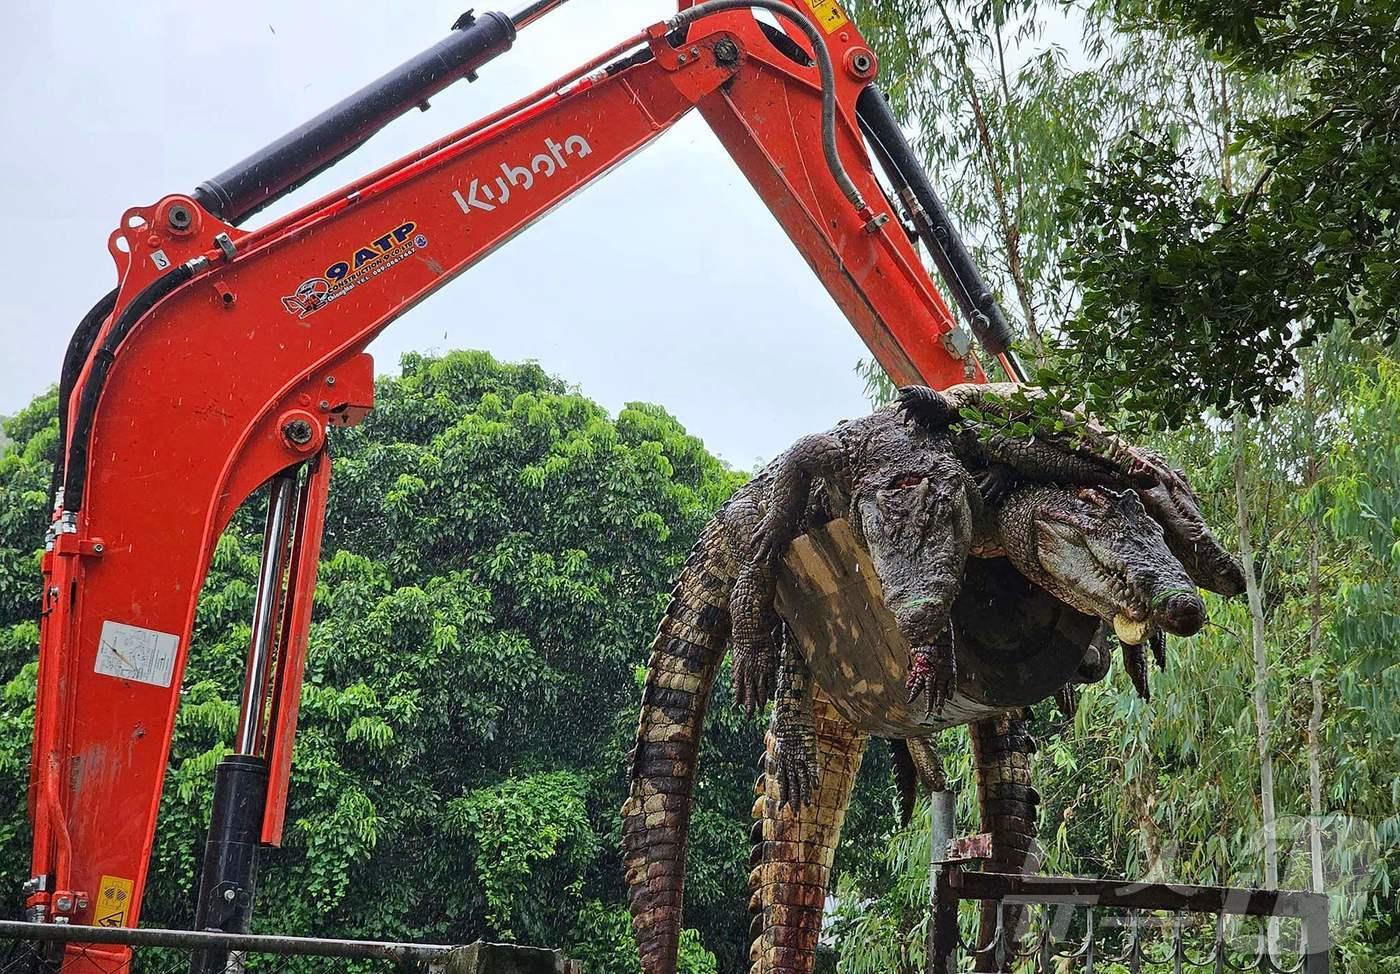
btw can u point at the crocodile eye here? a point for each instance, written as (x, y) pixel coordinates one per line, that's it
(906, 481)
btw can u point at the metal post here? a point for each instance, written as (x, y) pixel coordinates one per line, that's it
(1317, 938)
(942, 823)
(945, 924)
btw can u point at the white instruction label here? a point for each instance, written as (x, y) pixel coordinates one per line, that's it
(133, 653)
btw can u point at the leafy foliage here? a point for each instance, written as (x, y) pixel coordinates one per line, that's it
(1181, 310)
(1198, 290)
(518, 826)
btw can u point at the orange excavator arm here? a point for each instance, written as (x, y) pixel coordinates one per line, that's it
(226, 356)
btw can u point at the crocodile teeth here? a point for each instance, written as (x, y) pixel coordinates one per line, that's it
(1128, 631)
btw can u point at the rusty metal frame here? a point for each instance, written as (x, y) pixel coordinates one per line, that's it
(31, 947)
(956, 884)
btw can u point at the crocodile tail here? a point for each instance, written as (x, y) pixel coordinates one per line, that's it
(684, 660)
(1001, 749)
(792, 850)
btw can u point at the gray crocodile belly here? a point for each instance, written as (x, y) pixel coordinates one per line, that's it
(1015, 644)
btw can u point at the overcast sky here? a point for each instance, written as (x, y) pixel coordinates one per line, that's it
(639, 289)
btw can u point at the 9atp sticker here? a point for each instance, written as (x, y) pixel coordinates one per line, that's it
(113, 901)
(828, 14)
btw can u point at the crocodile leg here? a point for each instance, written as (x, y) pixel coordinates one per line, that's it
(815, 455)
(1135, 662)
(916, 763)
(794, 727)
(793, 848)
(1001, 750)
(755, 652)
(927, 763)
(757, 541)
(685, 658)
(1042, 460)
(918, 531)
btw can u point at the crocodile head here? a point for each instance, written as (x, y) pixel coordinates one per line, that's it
(912, 515)
(1173, 504)
(1101, 552)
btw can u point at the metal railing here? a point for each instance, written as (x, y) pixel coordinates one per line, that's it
(1059, 925)
(47, 948)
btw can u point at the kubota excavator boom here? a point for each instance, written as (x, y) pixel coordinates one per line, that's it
(225, 355)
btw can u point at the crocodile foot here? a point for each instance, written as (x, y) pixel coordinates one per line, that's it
(1158, 642)
(1067, 700)
(933, 670)
(927, 407)
(772, 537)
(797, 770)
(994, 483)
(1135, 662)
(755, 675)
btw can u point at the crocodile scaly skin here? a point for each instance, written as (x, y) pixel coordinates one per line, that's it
(793, 848)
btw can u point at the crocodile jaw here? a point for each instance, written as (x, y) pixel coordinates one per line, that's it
(1130, 632)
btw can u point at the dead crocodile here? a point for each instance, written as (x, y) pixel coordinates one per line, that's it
(912, 503)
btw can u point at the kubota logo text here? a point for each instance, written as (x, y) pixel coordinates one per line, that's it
(496, 191)
(342, 277)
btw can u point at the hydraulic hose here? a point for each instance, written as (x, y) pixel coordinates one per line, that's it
(79, 347)
(75, 471)
(824, 67)
(974, 297)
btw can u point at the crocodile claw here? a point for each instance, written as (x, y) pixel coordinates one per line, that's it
(755, 675)
(1067, 700)
(927, 407)
(933, 670)
(994, 483)
(768, 539)
(1135, 662)
(1158, 642)
(797, 773)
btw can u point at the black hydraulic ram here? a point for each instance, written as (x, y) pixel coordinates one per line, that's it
(974, 298)
(278, 168)
(228, 878)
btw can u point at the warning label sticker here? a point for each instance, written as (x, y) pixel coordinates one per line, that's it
(113, 901)
(828, 14)
(133, 653)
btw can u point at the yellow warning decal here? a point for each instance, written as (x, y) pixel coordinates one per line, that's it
(113, 900)
(828, 14)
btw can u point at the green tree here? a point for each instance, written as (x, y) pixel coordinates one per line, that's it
(1199, 291)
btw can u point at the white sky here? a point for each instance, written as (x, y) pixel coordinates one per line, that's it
(667, 282)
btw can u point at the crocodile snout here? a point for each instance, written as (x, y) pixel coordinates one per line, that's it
(1183, 614)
